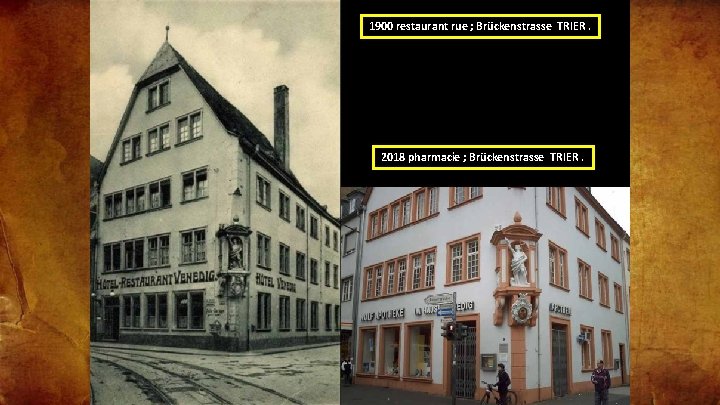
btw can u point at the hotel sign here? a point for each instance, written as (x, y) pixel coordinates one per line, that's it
(179, 277)
(560, 309)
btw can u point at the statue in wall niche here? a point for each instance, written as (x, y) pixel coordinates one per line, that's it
(236, 253)
(517, 265)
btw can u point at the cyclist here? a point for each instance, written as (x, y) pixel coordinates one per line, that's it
(502, 384)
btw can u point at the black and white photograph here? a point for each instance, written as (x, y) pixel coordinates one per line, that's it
(215, 238)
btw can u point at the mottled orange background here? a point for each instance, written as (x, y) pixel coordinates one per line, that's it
(44, 200)
(675, 201)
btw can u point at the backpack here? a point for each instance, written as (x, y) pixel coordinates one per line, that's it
(347, 367)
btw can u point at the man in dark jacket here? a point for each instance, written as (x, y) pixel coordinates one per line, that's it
(502, 384)
(601, 378)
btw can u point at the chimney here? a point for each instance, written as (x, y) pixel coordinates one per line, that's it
(282, 125)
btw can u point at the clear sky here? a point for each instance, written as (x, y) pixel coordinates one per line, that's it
(244, 49)
(616, 201)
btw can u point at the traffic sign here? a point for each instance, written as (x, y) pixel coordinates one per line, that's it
(438, 299)
(446, 312)
(446, 319)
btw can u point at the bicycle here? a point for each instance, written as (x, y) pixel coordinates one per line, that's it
(511, 398)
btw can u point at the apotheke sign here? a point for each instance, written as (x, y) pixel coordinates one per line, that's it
(380, 315)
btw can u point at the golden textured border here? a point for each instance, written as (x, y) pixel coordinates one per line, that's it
(44, 202)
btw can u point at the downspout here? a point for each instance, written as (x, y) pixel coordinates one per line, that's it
(306, 225)
(248, 192)
(537, 283)
(356, 278)
(627, 312)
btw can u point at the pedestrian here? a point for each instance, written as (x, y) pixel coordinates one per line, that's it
(347, 368)
(601, 378)
(502, 384)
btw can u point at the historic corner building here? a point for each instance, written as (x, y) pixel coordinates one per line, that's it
(206, 238)
(538, 273)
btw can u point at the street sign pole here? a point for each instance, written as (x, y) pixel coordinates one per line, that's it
(454, 354)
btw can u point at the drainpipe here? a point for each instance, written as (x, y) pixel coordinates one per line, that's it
(307, 272)
(248, 204)
(537, 283)
(627, 309)
(356, 278)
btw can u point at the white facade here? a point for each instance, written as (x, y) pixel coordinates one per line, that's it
(489, 211)
(352, 228)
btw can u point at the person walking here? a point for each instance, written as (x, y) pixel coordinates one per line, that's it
(601, 379)
(347, 369)
(502, 384)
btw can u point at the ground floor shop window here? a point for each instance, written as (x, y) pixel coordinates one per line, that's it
(300, 315)
(131, 311)
(313, 315)
(156, 311)
(368, 351)
(337, 317)
(391, 351)
(263, 311)
(419, 351)
(189, 313)
(284, 312)
(328, 316)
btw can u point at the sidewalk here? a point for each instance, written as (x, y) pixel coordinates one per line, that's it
(185, 350)
(364, 394)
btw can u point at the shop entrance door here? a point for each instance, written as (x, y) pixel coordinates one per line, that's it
(559, 360)
(112, 319)
(465, 368)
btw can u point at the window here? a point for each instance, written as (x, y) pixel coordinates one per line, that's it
(369, 283)
(588, 348)
(383, 221)
(159, 193)
(337, 317)
(433, 205)
(313, 315)
(156, 313)
(284, 206)
(336, 274)
(263, 312)
(430, 269)
(131, 149)
(367, 350)
(347, 289)
(556, 199)
(349, 242)
(406, 204)
(614, 248)
(460, 195)
(130, 201)
(112, 257)
(300, 314)
(327, 274)
(464, 260)
(335, 241)
(300, 265)
(134, 254)
(284, 312)
(193, 246)
(417, 269)
(158, 250)
(131, 308)
(606, 337)
(158, 95)
(189, 311)
(600, 234)
(585, 283)
(420, 207)
(328, 316)
(395, 216)
(581, 217)
(313, 271)
(558, 266)
(390, 278)
(263, 192)
(418, 363)
(195, 184)
(618, 298)
(402, 270)
(284, 259)
(113, 205)
(300, 218)
(189, 127)
(378, 281)
(327, 236)
(263, 251)
(313, 227)
(604, 287)
(373, 229)
(158, 138)
(390, 362)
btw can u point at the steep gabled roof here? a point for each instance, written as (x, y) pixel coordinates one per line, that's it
(167, 60)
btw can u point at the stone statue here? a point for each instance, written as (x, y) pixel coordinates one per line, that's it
(518, 267)
(236, 253)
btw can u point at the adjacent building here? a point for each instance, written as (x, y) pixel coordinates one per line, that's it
(537, 274)
(206, 238)
(352, 230)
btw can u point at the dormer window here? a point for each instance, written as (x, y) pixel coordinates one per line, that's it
(158, 95)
